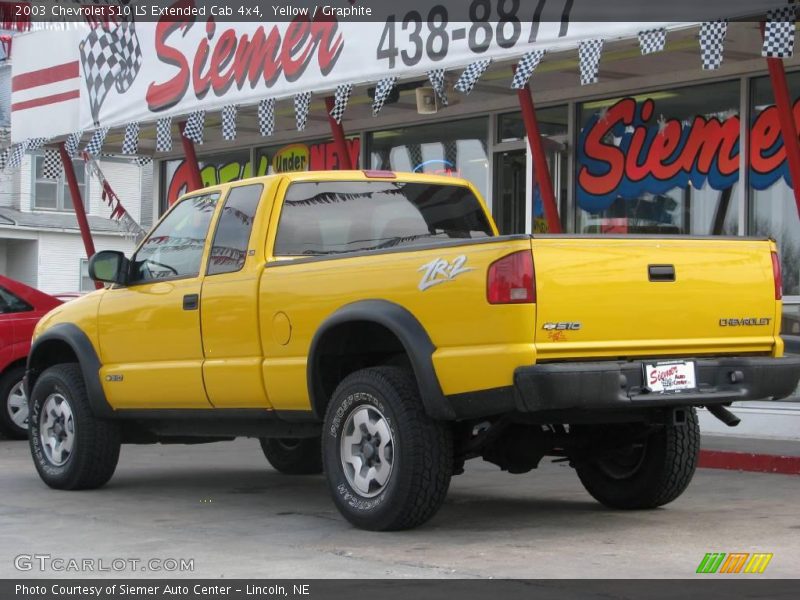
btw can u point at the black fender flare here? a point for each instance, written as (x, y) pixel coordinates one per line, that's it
(412, 335)
(89, 362)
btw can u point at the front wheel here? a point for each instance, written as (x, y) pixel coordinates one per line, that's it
(649, 472)
(388, 464)
(71, 448)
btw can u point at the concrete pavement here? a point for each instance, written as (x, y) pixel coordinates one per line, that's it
(224, 507)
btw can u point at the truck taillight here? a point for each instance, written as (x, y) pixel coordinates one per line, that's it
(511, 279)
(776, 275)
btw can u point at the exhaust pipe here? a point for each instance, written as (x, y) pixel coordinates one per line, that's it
(724, 415)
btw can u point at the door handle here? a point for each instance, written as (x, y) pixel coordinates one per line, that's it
(661, 272)
(191, 301)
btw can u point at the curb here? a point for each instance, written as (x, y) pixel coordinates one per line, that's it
(747, 461)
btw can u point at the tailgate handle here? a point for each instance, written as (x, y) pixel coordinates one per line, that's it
(661, 272)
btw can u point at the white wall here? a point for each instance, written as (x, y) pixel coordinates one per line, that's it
(21, 261)
(60, 255)
(126, 181)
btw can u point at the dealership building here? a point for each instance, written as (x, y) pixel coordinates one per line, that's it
(674, 129)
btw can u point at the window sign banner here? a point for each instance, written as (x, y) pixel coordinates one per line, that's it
(625, 151)
(181, 64)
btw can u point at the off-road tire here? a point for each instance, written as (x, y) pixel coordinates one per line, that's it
(422, 451)
(293, 456)
(8, 381)
(96, 445)
(664, 473)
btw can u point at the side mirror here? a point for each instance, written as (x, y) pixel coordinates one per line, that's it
(109, 266)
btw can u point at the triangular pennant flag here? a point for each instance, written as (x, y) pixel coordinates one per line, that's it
(779, 33)
(15, 158)
(51, 167)
(72, 143)
(96, 143)
(652, 40)
(34, 144)
(712, 41)
(229, 122)
(302, 102)
(195, 126)
(471, 75)
(589, 60)
(143, 161)
(436, 77)
(130, 143)
(340, 98)
(525, 68)
(266, 116)
(382, 90)
(164, 134)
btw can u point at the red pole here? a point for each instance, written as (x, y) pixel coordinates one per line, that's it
(783, 102)
(540, 169)
(77, 203)
(191, 160)
(338, 136)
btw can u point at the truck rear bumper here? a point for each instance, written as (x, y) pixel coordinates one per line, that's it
(618, 385)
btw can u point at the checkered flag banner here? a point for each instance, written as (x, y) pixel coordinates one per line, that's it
(164, 134)
(34, 144)
(4, 157)
(652, 40)
(471, 75)
(51, 168)
(229, 122)
(195, 126)
(779, 33)
(130, 142)
(266, 116)
(589, 60)
(340, 98)
(142, 161)
(302, 102)
(72, 143)
(525, 68)
(436, 77)
(111, 58)
(96, 143)
(712, 40)
(15, 156)
(382, 90)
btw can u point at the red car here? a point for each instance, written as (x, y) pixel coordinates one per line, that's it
(21, 307)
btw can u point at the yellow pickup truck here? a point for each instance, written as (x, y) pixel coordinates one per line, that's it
(373, 325)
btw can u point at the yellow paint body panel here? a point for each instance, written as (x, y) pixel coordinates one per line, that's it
(247, 346)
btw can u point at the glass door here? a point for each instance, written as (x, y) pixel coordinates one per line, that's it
(508, 197)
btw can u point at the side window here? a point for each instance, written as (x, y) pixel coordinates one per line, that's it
(235, 224)
(11, 303)
(175, 248)
(321, 218)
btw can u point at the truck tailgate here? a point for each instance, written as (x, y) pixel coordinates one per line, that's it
(615, 297)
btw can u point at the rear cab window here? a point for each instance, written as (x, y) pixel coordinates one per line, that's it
(336, 217)
(11, 303)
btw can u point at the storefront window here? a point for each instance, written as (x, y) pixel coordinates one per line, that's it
(456, 148)
(222, 168)
(773, 211)
(318, 155)
(666, 162)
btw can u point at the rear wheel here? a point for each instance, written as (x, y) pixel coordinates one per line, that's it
(293, 456)
(14, 414)
(71, 448)
(388, 464)
(649, 472)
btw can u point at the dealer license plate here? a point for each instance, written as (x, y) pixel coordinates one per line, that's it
(670, 376)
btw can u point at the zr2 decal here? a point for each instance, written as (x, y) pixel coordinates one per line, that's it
(440, 270)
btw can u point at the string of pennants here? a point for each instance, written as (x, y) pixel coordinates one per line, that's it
(779, 34)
